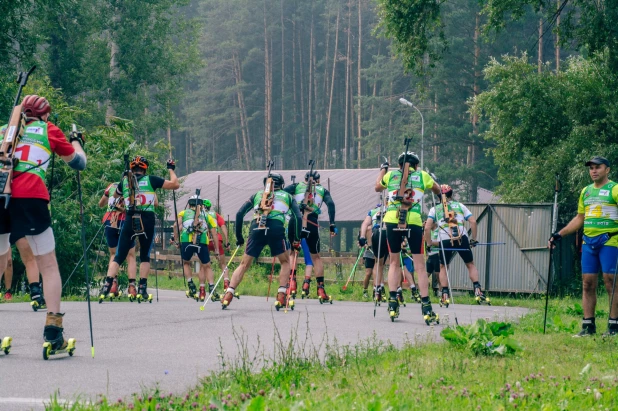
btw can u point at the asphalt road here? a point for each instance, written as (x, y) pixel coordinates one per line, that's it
(171, 344)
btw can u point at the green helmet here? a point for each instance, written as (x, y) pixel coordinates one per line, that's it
(207, 203)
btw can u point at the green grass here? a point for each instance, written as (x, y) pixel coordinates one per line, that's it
(553, 372)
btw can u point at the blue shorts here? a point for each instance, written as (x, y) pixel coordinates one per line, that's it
(112, 235)
(603, 258)
(188, 249)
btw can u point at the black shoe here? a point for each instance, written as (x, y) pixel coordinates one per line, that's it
(588, 328)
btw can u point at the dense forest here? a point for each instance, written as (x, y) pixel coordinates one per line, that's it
(227, 84)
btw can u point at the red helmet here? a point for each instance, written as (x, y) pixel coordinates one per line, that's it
(446, 189)
(35, 106)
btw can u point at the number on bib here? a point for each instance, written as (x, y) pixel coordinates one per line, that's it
(595, 211)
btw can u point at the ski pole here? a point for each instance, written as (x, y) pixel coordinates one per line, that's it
(289, 291)
(270, 281)
(448, 279)
(155, 259)
(82, 257)
(220, 277)
(184, 279)
(554, 226)
(345, 287)
(81, 213)
(379, 255)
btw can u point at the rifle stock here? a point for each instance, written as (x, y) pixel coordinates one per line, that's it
(309, 194)
(268, 197)
(196, 218)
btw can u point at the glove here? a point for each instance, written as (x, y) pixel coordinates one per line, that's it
(473, 243)
(362, 241)
(427, 249)
(333, 229)
(296, 245)
(172, 239)
(77, 136)
(384, 166)
(171, 165)
(240, 241)
(227, 246)
(555, 237)
(304, 233)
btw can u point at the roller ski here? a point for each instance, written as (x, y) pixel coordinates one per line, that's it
(378, 295)
(283, 301)
(445, 298)
(322, 296)
(142, 294)
(36, 295)
(428, 315)
(105, 290)
(393, 308)
(293, 286)
(226, 285)
(54, 341)
(212, 294)
(192, 292)
(415, 295)
(480, 297)
(114, 292)
(5, 346)
(227, 298)
(400, 299)
(304, 293)
(132, 292)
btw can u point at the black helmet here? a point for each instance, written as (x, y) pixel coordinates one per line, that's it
(314, 174)
(193, 200)
(412, 158)
(139, 162)
(278, 180)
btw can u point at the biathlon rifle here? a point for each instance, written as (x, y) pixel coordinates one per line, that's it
(197, 226)
(405, 195)
(309, 198)
(268, 197)
(136, 218)
(12, 135)
(449, 218)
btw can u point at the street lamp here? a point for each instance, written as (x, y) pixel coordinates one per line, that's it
(407, 103)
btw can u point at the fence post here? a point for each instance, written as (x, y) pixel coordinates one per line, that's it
(488, 249)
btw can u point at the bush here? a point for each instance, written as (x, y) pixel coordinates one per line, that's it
(483, 338)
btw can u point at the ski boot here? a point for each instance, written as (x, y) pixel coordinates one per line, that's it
(588, 328)
(305, 289)
(54, 341)
(6, 345)
(226, 285)
(322, 296)
(212, 293)
(8, 296)
(480, 297)
(378, 294)
(428, 315)
(365, 295)
(293, 286)
(612, 328)
(281, 300)
(36, 295)
(400, 296)
(202, 295)
(192, 292)
(393, 308)
(132, 292)
(107, 285)
(445, 298)
(415, 295)
(142, 293)
(227, 298)
(114, 292)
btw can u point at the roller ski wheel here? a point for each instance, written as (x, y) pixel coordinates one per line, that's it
(132, 292)
(38, 304)
(445, 300)
(323, 297)
(5, 346)
(192, 296)
(142, 294)
(114, 292)
(280, 301)
(480, 297)
(49, 351)
(226, 300)
(214, 297)
(393, 309)
(428, 315)
(415, 295)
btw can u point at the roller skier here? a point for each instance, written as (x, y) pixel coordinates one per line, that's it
(406, 187)
(8, 278)
(453, 234)
(373, 219)
(407, 276)
(24, 208)
(267, 227)
(433, 261)
(310, 195)
(223, 240)
(194, 240)
(139, 192)
(113, 220)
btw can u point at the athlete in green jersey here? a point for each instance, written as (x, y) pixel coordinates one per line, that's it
(418, 182)
(272, 235)
(145, 199)
(597, 213)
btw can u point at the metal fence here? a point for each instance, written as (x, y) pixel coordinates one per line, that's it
(520, 265)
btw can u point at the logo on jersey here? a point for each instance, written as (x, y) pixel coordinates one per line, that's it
(604, 192)
(143, 183)
(415, 178)
(35, 130)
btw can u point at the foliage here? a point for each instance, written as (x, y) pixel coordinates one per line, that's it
(483, 338)
(545, 124)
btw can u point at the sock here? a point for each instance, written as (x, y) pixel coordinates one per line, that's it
(230, 290)
(399, 289)
(589, 322)
(109, 280)
(612, 323)
(211, 287)
(202, 285)
(425, 300)
(445, 290)
(132, 281)
(282, 289)
(320, 280)
(143, 281)
(190, 279)
(393, 294)
(476, 284)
